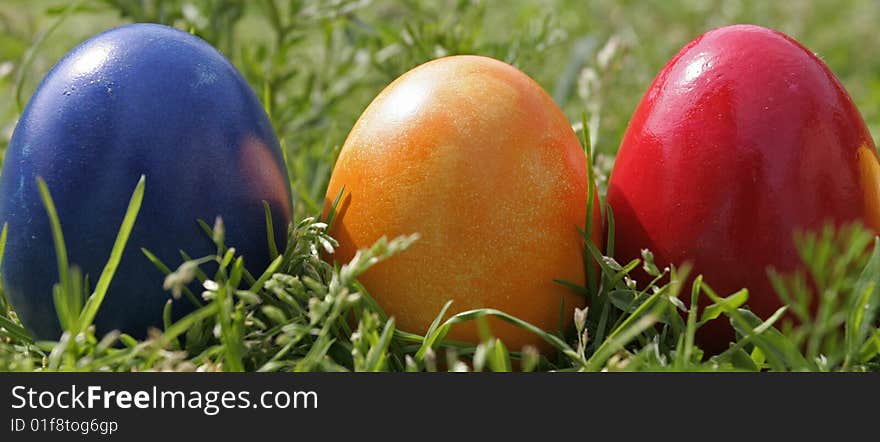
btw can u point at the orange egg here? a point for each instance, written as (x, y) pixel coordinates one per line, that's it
(474, 156)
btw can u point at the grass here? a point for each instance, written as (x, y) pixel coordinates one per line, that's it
(316, 64)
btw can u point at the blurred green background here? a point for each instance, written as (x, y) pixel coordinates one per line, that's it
(317, 64)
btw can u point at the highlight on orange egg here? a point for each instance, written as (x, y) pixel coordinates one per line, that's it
(475, 157)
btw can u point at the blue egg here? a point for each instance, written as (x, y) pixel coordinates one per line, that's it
(138, 99)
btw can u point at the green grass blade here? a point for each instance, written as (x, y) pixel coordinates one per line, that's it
(691, 330)
(65, 318)
(333, 208)
(62, 293)
(15, 331)
(3, 236)
(779, 350)
(643, 317)
(471, 315)
(270, 232)
(426, 343)
(871, 347)
(781, 354)
(57, 236)
(863, 312)
(273, 267)
(4, 301)
(58, 351)
(207, 229)
(592, 277)
(377, 354)
(187, 322)
(97, 297)
(166, 271)
(166, 315)
(499, 357)
(727, 304)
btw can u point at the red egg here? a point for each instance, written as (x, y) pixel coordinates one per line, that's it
(744, 137)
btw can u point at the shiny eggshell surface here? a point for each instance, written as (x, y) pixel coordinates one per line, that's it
(474, 156)
(138, 99)
(744, 137)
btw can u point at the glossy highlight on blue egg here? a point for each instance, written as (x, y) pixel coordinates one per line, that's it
(136, 100)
